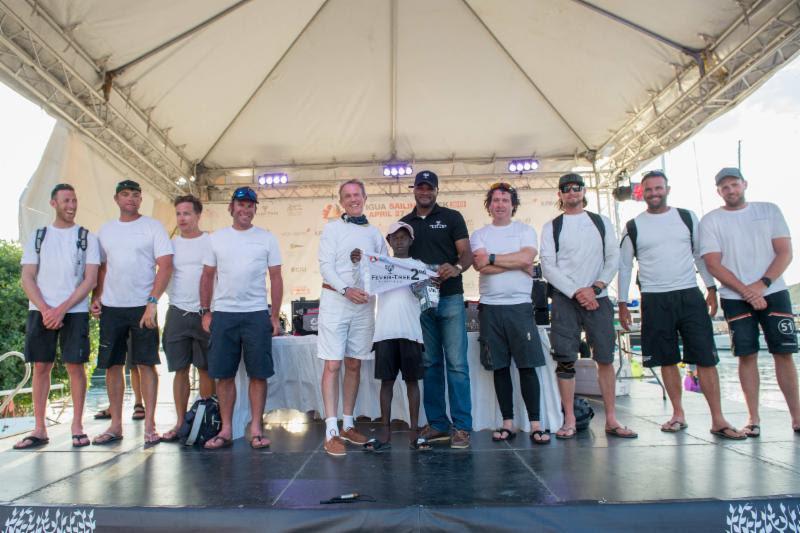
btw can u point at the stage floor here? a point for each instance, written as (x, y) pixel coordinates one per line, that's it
(491, 485)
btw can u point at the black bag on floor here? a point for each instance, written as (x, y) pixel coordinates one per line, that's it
(583, 414)
(202, 422)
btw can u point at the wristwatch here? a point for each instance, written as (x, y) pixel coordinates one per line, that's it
(766, 281)
(459, 267)
(597, 290)
(152, 300)
(344, 291)
(492, 257)
(203, 311)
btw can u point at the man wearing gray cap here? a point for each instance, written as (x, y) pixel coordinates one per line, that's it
(747, 247)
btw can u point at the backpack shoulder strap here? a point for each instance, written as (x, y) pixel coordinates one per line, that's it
(558, 223)
(686, 216)
(601, 227)
(83, 236)
(40, 233)
(630, 226)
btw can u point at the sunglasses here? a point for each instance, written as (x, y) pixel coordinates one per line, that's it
(570, 188)
(245, 194)
(502, 185)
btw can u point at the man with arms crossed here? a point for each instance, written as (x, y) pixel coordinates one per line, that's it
(185, 340)
(579, 259)
(59, 268)
(666, 245)
(346, 312)
(442, 239)
(137, 265)
(241, 325)
(747, 247)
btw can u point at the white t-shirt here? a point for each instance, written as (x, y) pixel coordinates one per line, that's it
(398, 314)
(242, 259)
(514, 286)
(666, 255)
(184, 287)
(744, 237)
(130, 250)
(59, 272)
(338, 239)
(580, 259)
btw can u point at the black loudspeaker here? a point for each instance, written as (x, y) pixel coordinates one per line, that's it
(541, 311)
(305, 314)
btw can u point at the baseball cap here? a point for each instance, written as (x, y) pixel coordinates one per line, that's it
(728, 172)
(245, 193)
(571, 178)
(426, 176)
(128, 184)
(398, 226)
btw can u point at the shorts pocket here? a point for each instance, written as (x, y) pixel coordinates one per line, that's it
(486, 355)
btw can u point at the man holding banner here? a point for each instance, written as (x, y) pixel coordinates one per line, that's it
(346, 312)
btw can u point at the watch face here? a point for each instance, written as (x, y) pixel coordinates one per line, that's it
(597, 290)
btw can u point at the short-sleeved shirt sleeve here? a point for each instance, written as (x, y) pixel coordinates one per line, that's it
(274, 258)
(29, 255)
(778, 223)
(459, 228)
(209, 257)
(162, 245)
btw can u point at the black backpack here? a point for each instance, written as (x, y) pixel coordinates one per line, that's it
(583, 413)
(202, 422)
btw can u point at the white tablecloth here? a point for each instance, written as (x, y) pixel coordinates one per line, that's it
(298, 372)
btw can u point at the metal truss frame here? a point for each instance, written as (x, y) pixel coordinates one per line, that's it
(692, 101)
(33, 64)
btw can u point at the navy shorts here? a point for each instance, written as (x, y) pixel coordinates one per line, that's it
(237, 335)
(398, 355)
(116, 325)
(72, 338)
(776, 321)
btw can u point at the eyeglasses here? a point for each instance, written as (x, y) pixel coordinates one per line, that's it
(502, 185)
(245, 193)
(570, 188)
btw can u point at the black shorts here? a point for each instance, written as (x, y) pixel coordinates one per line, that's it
(777, 323)
(569, 318)
(72, 338)
(185, 341)
(237, 335)
(665, 315)
(506, 332)
(398, 355)
(116, 325)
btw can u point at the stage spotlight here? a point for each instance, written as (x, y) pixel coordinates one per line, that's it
(181, 181)
(512, 167)
(396, 170)
(523, 165)
(284, 179)
(268, 180)
(387, 172)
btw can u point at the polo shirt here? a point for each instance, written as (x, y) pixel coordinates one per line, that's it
(435, 237)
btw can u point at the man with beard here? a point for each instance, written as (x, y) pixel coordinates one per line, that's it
(59, 268)
(137, 265)
(663, 240)
(747, 247)
(580, 257)
(238, 259)
(346, 312)
(442, 239)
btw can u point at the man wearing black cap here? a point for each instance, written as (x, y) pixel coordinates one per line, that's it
(665, 242)
(580, 257)
(747, 247)
(137, 265)
(442, 239)
(239, 320)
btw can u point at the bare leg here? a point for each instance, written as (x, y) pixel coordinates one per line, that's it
(566, 387)
(672, 382)
(387, 391)
(115, 386)
(607, 379)
(180, 394)
(352, 378)
(226, 393)
(330, 388)
(77, 385)
(786, 374)
(412, 390)
(136, 385)
(149, 385)
(257, 392)
(206, 384)
(748, 377)
(41, 391)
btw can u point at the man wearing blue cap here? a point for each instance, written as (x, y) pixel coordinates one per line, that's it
(238, 259)
(747, 247)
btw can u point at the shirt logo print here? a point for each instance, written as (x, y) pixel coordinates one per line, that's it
(438, 225)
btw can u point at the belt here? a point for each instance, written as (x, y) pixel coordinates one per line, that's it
(330, 288)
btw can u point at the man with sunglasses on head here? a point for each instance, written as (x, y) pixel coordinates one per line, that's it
(747, 247)
(137, 265)
(238, 260)
(665, 242)
(580, 257)
(59, 269)
(442, 239)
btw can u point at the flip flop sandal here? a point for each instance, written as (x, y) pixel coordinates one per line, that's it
(674, 426)
(112, 437)
(753, 431)
(226, 443)
(375, 445)
(571, 432)
(34, 442)
(420, 445)
(618, 432)
(260, 439)
(721, 433)
(174, 438)
(80, 438)
(151, 439)
(102, 415)
(540, 440)
(505, 434)
(138, 412)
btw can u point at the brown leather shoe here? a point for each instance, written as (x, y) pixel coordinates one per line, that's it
(335, 446)
(352, 436)
(460, 439)
(434, 435)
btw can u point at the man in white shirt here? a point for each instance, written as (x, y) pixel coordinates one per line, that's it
(346, 312)
(503, 254)
(137, 265)
(665, 243)
(747, 247)
(240, 323)
(59, 268)
(580, 258)
(185, 341)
